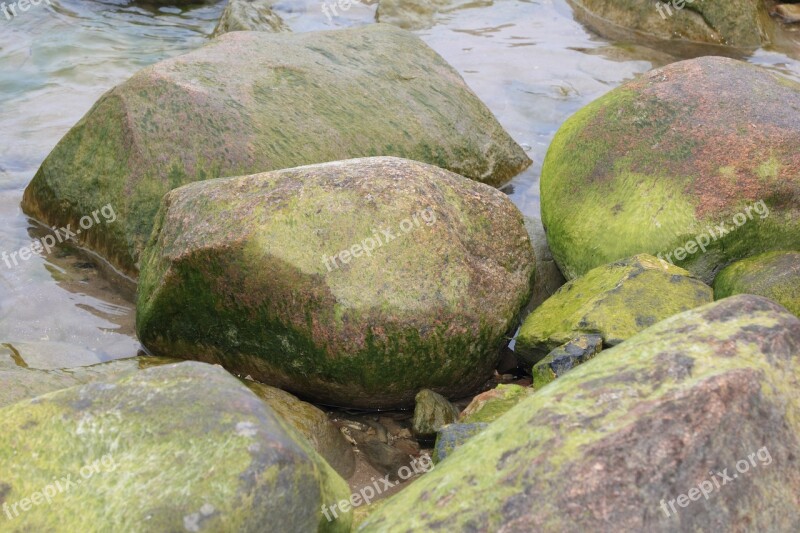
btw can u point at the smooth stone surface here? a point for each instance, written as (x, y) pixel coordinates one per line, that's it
(637, 426)
(775, 275)
(490, 405)
(431, 412)
(249, 15)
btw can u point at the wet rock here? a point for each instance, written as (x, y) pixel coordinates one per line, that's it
(354, 283)
(775, 275)
(172, 448)
(20, 383)
(615, 301)
(790, 13)
(492, 404)
(419, 14)
(741, 23)
(253, 102)
(620, 437)
(311, 423)
(431, 412)
(565, 358)
(695, 162)
(453, 436)
(249, 15)
(548, 277)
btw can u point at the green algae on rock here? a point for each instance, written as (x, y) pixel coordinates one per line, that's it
(739, 23)
(431, 412)
(633, 428)
(564, 358)
(312, 423)
(700, 151)
(249, 15)
(192, 449)
(775, 275)
(615, 301)
(354, 283)
(492, 404)
(253, 102)
(452, 436)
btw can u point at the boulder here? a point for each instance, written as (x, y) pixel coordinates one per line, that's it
(354, 283)
(182, 447)
(492, 404)
(565, 358)
(431, 412)
(631, 438)
(452, 436)
(739, 23)
(615, 301)
(419, 14)
(249, 15)
(312, 423)
(253, 102)
(775, 275)
(695, 162)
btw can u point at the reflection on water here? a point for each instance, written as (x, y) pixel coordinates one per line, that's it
(529, 60)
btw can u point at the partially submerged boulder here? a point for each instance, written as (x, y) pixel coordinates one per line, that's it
(355, 283)
(254, 102)
(183, 447)
(418, 14)
(615, 301)
(249, 15)
(775, 275)
(629, 439)
(695, 162)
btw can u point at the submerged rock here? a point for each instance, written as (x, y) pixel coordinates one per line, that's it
(419, 14)
(183, 447)
(492, 404)
(775, 275)
(623, 439)
(254, 102)
(312, 423)
(354, 283)
(695, 162)
(249, 15)
(565, 358)
(740, 23)
(431, 412)
(615, 301)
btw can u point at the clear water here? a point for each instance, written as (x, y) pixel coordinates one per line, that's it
(530, 61)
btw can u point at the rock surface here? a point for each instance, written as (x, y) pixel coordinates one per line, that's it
(354, 283)
(564, 358)
(431, 412)
(633, 429)
(419, 14)
(740, 23)
(183, 447)
(700, 152)
(249, 15)
(775, 275)
(254, 102)
(615, 301)
(312, 423)
(452, 436)
(492, 404)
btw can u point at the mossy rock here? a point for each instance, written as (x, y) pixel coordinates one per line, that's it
(775, 275)
(632, 429)
(564, 358)
(250, 272)
(492, 404)
(312, 423)
(182, 447)
(452, 436)
(20, 383)
(253, 102)
(659, 164)
(431, 412)
(739, 23)
(249, 15)
(615, 301)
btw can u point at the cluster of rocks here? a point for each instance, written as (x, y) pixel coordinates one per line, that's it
(318, 213)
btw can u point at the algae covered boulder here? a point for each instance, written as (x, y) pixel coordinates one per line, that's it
(312, 423)
(692, 425)
(615, 301)
(740, 23)
(775, 275)
(492, 404)
(253, 102)
(182, 447)
(431, 412)
(249, 15)
(695, 162)
(355, 283)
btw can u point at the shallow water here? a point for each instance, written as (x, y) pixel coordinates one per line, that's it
(530, 61)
